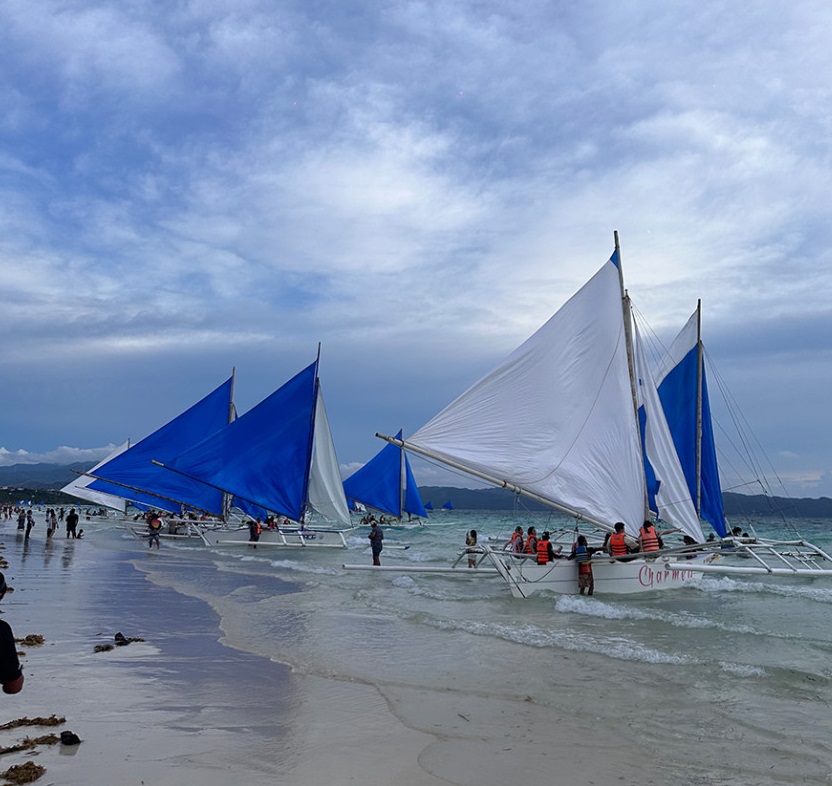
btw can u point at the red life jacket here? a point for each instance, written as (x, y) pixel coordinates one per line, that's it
(649, 539)
(618, 544)
(517, 543)
(531, 544)
(542, 552)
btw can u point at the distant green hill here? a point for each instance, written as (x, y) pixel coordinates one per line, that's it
(735, 504)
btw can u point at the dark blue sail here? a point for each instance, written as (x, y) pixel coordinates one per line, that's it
(132, 475)
(263, 457)
(378, 484)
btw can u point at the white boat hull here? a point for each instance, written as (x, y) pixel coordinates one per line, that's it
(611, 577)
(282, 538)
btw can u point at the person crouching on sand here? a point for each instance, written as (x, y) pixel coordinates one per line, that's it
(11, 676)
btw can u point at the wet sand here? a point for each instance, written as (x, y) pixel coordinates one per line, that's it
(182, 708)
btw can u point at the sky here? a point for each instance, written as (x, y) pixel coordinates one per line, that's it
(191, 187)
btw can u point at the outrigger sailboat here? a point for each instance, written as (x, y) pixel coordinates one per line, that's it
(573, 419)
(277, 458)
(386, 483)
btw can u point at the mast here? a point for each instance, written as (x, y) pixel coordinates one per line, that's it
(402, 483)
(699, 379)
(308, 468)
(628, 337)
(232, 413)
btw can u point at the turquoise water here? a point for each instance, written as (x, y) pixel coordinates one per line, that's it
(725, 682)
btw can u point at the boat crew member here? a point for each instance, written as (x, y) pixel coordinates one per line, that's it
(617, 543)
(648, 538)
(516, 543)
(154, 527)
(531, 541)
(376, 537)
(546, 551)
(583, 554)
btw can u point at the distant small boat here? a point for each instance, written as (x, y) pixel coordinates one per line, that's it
(448, 506)
(386, 483)
(428, 506)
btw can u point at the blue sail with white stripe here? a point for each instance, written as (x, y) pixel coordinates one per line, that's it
(678, 385)
(386, 483)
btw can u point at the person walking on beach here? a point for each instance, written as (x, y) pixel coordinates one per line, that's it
(21, 519)
(11, 677)
(71, 523)
(30, 522)
(376, 537)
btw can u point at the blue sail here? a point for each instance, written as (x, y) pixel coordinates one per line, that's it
(428, 506)
(134, 477)
(448, 505)
(378, 484)
(678, 394)
(264, 456)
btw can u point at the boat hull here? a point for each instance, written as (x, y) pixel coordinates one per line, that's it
(611, 577)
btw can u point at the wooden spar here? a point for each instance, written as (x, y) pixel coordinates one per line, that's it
(628, 337)
(143, 491)
(497, 482)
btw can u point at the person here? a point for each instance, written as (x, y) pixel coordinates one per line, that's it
(617, 543)
(688, 541)
(21, 519)
(154, 527)
(71, 523)
(583, 554)
(546, 551)
(516, 544)
(648, 538)
(471, 542)
(376, 537)
(254, 529)
(531, 541)
(11, 676)
(53, 524)
(30, 522)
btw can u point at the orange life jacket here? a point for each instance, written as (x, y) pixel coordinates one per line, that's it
(517, 543)
(531, 544)
(618, 544)
(649, 540)
(542, 552)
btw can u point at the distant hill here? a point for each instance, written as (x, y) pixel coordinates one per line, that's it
(735, 504)
(41, 476)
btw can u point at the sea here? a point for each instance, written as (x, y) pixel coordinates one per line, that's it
(728, 681)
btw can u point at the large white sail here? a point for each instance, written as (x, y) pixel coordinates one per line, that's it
(672, 496)
(326, 490)
(556, 417)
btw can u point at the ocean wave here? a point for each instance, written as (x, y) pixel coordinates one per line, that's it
(742, 669)
(728, 584)
(616, 647)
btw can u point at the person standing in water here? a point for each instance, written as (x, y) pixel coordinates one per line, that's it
(471, 542)
(376, 537)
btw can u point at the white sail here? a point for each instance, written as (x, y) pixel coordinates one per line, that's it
(78, 487)
(326, 490)
(672, 497)
(556, 417)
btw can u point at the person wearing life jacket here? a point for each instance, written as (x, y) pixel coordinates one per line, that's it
(531, 541)
(583, 555)
(545, 551)
(516, 544)
(617, 543)
(254, 530)
(648, 538)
